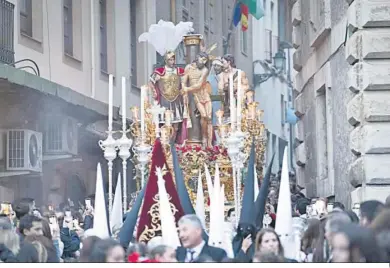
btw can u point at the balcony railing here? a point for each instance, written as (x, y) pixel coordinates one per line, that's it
(7, 52)
(268, 45)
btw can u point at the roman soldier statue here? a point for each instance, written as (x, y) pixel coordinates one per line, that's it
(165, 82)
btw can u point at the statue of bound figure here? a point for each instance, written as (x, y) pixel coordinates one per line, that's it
(165, 81)
(195, 81)
(229, 67)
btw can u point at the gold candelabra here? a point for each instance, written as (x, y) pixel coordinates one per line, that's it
(192, 158)
(252, 124)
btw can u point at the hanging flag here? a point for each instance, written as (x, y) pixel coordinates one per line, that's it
(237, 14)
(244, 17)
(255, 7)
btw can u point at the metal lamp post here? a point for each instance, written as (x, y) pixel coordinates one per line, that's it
(278, 67)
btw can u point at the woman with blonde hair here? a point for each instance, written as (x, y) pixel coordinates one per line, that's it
(268, 241)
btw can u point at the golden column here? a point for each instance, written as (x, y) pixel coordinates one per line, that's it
(192, 43)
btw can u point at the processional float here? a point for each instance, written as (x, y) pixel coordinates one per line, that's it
(239, 121)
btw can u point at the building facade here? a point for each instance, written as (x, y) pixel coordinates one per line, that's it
(212, 19)
(341, 97)
(56, 57)
(272, 87)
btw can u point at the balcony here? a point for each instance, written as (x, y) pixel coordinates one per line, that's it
(7, 52)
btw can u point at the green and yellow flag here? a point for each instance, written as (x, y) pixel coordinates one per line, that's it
(255, 7)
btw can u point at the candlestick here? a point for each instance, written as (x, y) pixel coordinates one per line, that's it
(232, 112)
(134, 110)
(124, 103)
(156, 110)
(219, 115)
(222, 130)
(110, 100)
(260, 115)
(164, 135)
(249, 97)
(252, 111)
(168, 118)
(143, 92)
(239, 98)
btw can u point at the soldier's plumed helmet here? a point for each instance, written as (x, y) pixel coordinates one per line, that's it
(169, 55)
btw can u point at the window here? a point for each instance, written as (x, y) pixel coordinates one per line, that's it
(68, 27)
(206, 12)
(272, 17)
(133, 22)
(185, 14)
(26, 17)
(283, 111)
(268, 45)
(103, 36)
(244, 41)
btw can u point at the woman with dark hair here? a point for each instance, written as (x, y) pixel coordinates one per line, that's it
(354, 243)
(107, 250)
(52, 250)
(267, 240)
(310, 239)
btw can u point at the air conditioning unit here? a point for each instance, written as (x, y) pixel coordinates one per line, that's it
(60, 135)
(24, 150)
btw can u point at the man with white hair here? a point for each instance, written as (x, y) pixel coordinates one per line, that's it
(193, 246)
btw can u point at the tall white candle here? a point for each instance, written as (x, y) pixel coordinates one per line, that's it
(143, 92)
(124, 108)
(110, 100)
(239, 95)
(232, 111)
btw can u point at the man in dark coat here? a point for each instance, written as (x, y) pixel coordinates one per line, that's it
(193, 246)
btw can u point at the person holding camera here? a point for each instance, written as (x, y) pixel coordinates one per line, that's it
(69, 236)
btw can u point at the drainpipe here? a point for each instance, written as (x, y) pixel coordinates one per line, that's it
(93, 63)
(290, 92)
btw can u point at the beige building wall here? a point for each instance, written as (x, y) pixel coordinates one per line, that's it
(342, 98)
(81, 71)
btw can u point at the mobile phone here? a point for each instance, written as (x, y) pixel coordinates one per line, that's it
(88, 203)
(6, 209)
(52, 220)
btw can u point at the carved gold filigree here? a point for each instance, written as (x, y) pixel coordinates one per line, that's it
(154, 228)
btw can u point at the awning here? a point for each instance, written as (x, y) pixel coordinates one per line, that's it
(24, 79)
